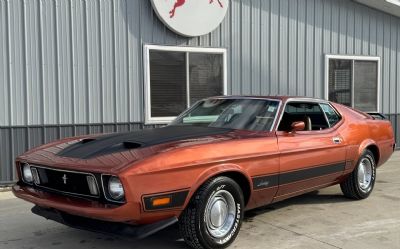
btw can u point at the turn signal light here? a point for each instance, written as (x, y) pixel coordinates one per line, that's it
(161, 201)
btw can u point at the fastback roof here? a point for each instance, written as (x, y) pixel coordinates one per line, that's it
(277, 97)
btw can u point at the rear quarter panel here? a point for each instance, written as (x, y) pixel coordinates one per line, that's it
(360, 131)
(381, 131)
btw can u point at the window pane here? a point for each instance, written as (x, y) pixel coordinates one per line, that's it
(310, 113)
(167, 83)
(242, 114)
(206, 76)
(333, 117)
(365, 85)
(340, 72)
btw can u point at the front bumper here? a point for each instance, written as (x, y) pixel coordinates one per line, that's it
(127, 213)
(134, 232)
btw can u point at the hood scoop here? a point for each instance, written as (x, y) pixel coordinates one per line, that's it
(87, 140)
(119, 142)
(132, 145)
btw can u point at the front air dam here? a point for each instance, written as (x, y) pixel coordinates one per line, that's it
(114, 228)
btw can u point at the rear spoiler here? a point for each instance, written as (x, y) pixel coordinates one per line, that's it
(377, 115)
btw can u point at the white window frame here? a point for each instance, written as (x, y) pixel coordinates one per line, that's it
(146, 51)
(354, 58)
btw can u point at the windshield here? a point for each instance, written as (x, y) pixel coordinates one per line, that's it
(241, 114)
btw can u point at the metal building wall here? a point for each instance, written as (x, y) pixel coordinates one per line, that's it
(70, 67)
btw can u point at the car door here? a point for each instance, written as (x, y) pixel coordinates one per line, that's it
(310, 158)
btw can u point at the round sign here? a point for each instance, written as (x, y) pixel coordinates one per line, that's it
(191, 17)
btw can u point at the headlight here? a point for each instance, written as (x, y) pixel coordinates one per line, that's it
(115, 188)
(27, 173)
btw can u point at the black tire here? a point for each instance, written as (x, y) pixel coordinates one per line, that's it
(351, 187)
(192, 224)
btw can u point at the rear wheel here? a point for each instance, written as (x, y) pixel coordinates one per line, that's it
(214, 215)
(361, 181)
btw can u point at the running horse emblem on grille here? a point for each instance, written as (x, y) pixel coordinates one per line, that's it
(180, 3)
(64, 178)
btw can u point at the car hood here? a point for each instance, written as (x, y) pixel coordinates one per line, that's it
(110, 152)
(108, 144)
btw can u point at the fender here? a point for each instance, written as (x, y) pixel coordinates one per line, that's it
(214, 171)
(364, 145)
(354, 152)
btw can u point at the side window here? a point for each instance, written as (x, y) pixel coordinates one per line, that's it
(310, 113)
(331, 114)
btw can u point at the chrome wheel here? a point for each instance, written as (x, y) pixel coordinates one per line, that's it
(359, 184)
(364, 174)
(220, 213)
(214, 215)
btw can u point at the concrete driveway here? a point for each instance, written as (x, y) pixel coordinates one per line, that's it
(323, 219)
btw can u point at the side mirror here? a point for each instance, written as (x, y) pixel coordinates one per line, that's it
(298, 126)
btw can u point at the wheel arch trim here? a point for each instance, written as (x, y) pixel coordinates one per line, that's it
(372, 146)
(222, 170)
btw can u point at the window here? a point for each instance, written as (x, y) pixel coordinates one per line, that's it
(332, 116)
(178, 77)
(242, 114)
(310, 113)
(353, 81)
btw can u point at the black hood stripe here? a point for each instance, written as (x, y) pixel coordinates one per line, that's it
(112, 143)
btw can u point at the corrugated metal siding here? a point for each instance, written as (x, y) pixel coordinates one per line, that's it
(79, 62)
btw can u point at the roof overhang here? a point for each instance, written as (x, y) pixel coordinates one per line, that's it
(388, 6)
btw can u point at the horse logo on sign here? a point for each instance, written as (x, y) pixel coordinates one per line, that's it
(191, 17)
(180, 3)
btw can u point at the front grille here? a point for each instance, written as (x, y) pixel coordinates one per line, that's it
(67, 182)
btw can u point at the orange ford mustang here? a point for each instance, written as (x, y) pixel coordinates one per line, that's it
(219, 158)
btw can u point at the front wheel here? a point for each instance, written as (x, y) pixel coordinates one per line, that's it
(214, 215)
(361, 181)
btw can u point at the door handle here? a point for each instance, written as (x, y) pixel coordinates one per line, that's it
(336, 140)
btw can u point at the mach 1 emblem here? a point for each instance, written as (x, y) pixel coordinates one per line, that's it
(180, 3)
(191, 17)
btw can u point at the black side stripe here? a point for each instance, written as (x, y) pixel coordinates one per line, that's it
(260, 182)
